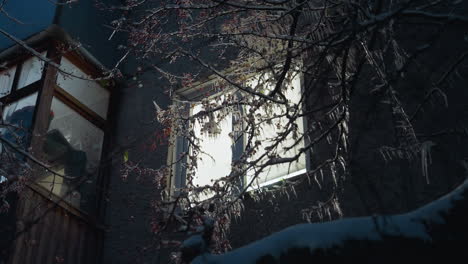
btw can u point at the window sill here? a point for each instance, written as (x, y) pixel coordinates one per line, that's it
(276, 180)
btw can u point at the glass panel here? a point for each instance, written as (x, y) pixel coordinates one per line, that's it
(73, 147)
(89, 93)
(6, 81)
(269, 131)
(17, 117)
(31, 71)
(215, 142)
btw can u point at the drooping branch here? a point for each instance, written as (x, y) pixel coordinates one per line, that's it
(433, 232)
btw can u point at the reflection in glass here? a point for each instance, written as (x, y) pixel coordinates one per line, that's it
(15, 126)
(90, 93)
(73, 148)
(6, 81)
(31, 71)
(17, 117)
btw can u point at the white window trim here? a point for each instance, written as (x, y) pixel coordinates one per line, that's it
(254, 186)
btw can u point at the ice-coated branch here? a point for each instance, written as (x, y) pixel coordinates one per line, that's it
(431, 232)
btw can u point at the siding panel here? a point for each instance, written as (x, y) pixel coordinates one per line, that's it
(55, 235)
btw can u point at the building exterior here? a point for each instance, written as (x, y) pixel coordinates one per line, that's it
(106, 218)
(56, 218)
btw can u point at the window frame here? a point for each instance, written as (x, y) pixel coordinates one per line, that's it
(47, 89)
(178, 174)
(16, 94)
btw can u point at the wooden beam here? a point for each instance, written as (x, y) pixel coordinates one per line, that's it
(23, 92)
(44, 102)
(80, 108)
(14, 85)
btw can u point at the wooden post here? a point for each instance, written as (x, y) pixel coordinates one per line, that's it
(44, 102)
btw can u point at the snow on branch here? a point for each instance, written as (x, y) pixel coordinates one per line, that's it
(436, 226)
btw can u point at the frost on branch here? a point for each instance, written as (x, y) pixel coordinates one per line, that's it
(431, 232)
(329, 43)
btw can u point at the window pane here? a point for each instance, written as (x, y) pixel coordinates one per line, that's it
(89, 93)
(268, 132)
(6, 81)
(73, 147)
(31, 71)
(216, 160)
(17, 117)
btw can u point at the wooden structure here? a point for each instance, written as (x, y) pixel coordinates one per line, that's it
(51, 232)
(59, 210)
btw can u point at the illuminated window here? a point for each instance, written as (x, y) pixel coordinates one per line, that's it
(219, 147)
(269, 130)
